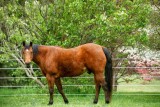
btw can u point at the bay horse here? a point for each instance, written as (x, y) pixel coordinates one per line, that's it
(56, 62)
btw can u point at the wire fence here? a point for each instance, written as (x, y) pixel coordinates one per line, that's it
(112, 59)
(136, 85)
(113, 68)
(134, 94)
(83, 85)
(80, 77)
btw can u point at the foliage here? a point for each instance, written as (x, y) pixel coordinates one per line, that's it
(154, 35)
(69, 23)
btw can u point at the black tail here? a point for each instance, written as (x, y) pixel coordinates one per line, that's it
(108, 72)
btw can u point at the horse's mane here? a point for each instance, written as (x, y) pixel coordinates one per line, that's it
(35, 49)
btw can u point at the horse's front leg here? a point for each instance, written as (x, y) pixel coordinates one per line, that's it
(51, 81)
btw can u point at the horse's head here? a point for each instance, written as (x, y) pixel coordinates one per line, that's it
(27, 53)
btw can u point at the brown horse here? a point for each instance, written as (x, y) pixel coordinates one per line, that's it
(56, 62)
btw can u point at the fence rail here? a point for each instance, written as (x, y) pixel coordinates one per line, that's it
(112, 59)
(16, 95)
(136, 85)
(113, 68)
(74, 77)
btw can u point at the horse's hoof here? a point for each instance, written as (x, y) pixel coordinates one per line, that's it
(95, 102)
(107, 102)
(66, 101)
(50, 103)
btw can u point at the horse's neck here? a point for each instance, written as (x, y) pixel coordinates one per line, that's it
(39, 56)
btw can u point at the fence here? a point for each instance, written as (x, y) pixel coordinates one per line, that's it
(84, 85)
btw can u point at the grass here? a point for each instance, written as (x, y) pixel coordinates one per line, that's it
(118, 100)
(130, 96)
(153, 86)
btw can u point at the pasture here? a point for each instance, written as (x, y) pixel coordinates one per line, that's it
(128, 95)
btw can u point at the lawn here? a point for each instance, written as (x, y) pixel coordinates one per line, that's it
(127, 96)
(119, 100)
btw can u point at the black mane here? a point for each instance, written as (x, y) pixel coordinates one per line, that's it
(35, 49)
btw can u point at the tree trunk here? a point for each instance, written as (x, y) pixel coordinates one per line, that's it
(115, 82)
(2, 74)
(152, 2)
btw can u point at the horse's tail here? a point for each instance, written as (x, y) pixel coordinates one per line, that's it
(108, 72)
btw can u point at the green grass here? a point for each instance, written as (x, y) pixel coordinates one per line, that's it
(118, 100)
(153, 86)
(130, 96)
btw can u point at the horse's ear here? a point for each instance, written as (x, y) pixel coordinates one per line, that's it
(30, 44)
(24, 44)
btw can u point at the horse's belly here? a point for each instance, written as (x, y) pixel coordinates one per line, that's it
(73, 72)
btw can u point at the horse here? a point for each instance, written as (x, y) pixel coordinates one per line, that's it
(56, 62)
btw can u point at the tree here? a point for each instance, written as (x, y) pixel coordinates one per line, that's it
(154, 33)
(69, 23)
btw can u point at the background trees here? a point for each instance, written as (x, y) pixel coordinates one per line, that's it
(155, 26)
(68, 23)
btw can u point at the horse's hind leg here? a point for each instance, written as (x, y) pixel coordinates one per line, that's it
(100, 82)
(59, 87)
(107, 95)
(97, 92)
(107, 98)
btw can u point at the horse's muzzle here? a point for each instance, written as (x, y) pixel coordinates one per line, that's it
(27, 65)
